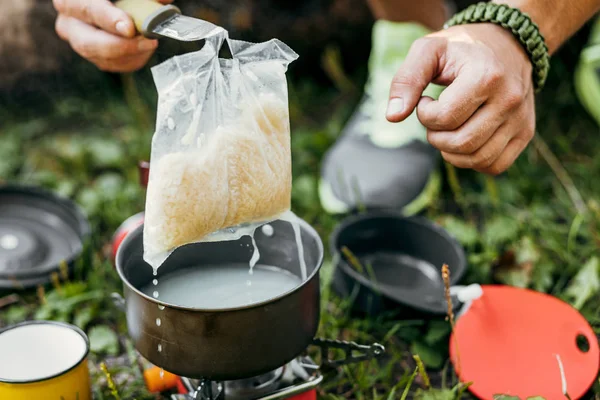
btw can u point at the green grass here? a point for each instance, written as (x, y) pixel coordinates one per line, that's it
(522, 228)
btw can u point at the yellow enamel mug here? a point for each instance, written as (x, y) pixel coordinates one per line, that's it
(44, 360)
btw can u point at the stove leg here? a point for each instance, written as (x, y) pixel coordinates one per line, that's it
(209, 390)
(189, 386)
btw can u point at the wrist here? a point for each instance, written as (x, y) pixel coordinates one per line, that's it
(504, 42)
(550, 30)
(515, 21)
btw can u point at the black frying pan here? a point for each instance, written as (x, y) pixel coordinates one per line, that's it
(401, 259)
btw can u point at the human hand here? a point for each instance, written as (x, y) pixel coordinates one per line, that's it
(103, 34)
(486, 116)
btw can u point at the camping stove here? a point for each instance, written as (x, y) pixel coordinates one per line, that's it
(295, 381)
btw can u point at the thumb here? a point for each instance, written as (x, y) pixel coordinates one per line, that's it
(418, 69)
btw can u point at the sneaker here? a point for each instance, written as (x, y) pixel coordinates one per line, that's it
(376, 163)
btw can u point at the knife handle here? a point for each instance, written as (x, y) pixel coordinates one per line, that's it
(147, 14)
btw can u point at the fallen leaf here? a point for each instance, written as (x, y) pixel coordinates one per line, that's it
(585, 284)
(103, 340)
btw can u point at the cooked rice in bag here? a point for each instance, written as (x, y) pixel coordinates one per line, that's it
(221, 160)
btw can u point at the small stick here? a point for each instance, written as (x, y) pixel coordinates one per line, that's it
(8, 300)
(561, 174)
(450, 316)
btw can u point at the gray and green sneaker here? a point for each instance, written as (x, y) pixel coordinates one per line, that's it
(376, 163)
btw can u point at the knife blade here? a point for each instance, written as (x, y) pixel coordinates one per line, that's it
(153, 20)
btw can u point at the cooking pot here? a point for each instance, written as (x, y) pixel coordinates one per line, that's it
(224, 344)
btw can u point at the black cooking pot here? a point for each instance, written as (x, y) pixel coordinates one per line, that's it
(224, 344)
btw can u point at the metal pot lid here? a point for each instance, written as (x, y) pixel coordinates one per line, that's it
(38, 231)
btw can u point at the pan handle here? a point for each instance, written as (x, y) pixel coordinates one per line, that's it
(463, 296)
(366, 352)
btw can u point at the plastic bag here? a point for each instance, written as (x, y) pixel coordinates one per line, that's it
(220, 160)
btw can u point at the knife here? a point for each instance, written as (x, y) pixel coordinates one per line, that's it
(153, 20)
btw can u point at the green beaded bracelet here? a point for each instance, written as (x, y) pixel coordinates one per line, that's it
(522, 27)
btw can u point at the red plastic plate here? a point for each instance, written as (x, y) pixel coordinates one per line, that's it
(508, 342)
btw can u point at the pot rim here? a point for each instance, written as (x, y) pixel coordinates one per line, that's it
(354, 219)
(58, 374)
(303, 226)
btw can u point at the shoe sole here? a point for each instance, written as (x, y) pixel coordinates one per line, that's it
(333, 205)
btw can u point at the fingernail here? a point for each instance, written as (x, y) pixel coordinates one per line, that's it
(147, 45)
(122, 28)
(395, 106)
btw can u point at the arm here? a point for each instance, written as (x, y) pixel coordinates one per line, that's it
(486, 116)
(556, 19)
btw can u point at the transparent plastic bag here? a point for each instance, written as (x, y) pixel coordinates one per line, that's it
(220, 161)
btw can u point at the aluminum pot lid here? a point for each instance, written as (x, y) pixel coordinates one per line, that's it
(38, 231)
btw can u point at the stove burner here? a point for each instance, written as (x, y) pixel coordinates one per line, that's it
(298, 377)
(20, 247)
(258, 386)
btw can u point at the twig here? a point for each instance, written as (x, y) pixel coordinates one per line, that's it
(561, 173)
(8, 300)
(450, 316)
